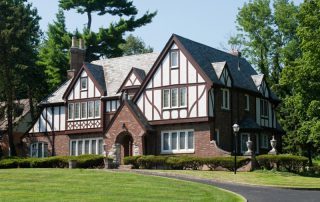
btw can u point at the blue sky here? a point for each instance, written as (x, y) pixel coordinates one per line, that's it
(210, 22)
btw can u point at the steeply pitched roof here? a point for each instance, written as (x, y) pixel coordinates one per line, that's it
(98, 74)
(218, 68)
(205, 56)
(116, 69)
(56, 96)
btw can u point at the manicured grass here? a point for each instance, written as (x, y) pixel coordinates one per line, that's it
(259, 177)
(98, 185)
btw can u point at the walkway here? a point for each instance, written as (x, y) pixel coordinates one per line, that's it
(251, 193)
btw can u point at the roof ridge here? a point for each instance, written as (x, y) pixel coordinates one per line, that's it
(121, 57)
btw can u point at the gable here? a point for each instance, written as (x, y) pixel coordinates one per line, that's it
(225, 77)
(263, 88)
(75, 91)
(133, 79)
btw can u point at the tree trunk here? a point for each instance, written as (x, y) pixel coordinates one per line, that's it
(310, 153)
(31, 103)
(89, 20)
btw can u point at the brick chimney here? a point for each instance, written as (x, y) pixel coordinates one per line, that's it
(237, 53)
(77, 56)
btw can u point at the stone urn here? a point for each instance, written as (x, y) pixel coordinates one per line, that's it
(273, 143)
(249, 146)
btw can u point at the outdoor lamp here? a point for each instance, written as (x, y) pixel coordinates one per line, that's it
(236, 129)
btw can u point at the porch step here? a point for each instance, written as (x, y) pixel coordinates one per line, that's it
(125, 167)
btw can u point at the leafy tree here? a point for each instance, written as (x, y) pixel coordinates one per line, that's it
(54, 52)
(19, 38)
(135, 45)
(105, 42)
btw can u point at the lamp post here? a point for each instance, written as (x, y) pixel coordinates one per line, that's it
(236, 129)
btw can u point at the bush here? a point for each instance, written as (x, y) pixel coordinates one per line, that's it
(185, 162)
(284, 162)
(133, 160)
(151, 161)
(89, 161)
(9, 163)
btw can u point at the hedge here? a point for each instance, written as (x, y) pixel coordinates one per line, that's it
(184, 162)
(290, 163)
(83, 161)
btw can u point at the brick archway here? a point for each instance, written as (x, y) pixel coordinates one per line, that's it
(125, 140)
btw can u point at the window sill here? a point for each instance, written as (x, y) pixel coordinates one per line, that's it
(178, 152)
(173, 108)
(81, 90)
(174, 67)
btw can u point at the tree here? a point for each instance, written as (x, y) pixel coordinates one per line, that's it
(268, 36)
(54, 52)
(19, 38)
(105, 42)
(301, 106)
(135, 45)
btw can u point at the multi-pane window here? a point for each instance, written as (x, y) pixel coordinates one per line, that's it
(83, 83)
(76, 110)
(174, 57)
(225, 99)
(264, 141)
(264, 105)
(97, 108)
(112, 105)
(70, 111)
(90, 109)
(83, 110)
(177, 141)
(247, 102)
(175, 97)
(39, 149)
(86, 146)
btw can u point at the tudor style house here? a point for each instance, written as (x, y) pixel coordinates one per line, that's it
(181, 101)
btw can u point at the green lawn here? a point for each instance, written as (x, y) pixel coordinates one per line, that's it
(266, 178)
(98, 185)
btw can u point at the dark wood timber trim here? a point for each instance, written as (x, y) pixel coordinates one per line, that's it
(174, 121)
(93, 130)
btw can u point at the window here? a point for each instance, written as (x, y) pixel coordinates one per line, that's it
(83, 110)
(76, 110)
(166, 98)
(174, 97)
(264, 141)
(86, 146)
(39, 149)
(247, 102)
(174, 56)
(177, 141)
(97, 108)
(177, 96)
(83, 83)
(216, 136)
(183, 97)
(70, 111)
(225, 99)
(91, 109)
(264, 108)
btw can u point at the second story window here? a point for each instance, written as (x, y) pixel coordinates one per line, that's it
(77, 111)
(83, 83)
(97, 108)
(225, 99)
(246, 102)
(70, 111)
(83, 110)
(174, 98)
(174, 56)
(264, 105)
(90, 109)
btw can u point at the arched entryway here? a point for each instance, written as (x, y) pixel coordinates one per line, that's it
(125, 142)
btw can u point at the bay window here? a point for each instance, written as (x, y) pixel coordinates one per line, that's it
(97, 108)
(70, 111)
(76, 110)
(90, 109)
(180, 141)
(83, 110)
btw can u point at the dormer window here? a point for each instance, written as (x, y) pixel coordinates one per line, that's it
(174, 56)
(83, 83)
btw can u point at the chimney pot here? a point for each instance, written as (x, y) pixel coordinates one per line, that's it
(74, 42)
(81, 44)
(236, 52)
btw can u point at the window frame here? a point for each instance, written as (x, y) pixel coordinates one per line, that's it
(86, 82)
(88, 108)
(176, 97)
(172, 52)
(169, 99)
(225, 91)
(264, 141)
(72, 117)
(185, 97)
(99, 108)
(186, 149)
(247, 102)
(264, 107)
(83, 145)
(44, 149)
(81, 110)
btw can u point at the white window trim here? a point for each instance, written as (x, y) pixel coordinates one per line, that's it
(74, 111)
(86, 79)
(43, 149)
(72, 118)
(95, 109)
(179, 92)
(171, 53)
(83, 146)
(178, 150)
(247, 101)
(90, 117)
(178, 98)
(86, 104)
(169, 99)
(225, 90)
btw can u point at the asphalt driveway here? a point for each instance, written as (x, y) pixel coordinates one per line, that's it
(251, 193)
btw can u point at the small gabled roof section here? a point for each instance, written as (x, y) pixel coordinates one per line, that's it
(257, 79)
(139, 74)
(247, 124)
(57, 96)
(96, 74)
(223, 73)
(218, 67)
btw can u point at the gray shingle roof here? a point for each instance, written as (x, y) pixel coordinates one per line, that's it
(116, 69)
(205, 56)
(56, 96)
(249, 124)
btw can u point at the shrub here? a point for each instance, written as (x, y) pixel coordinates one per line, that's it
(9, 163)
(185, 162)
(89, 161)
(49, 162)
(151, 161)
(133, 160)
(285, 162)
